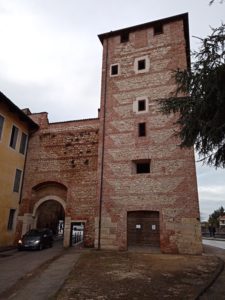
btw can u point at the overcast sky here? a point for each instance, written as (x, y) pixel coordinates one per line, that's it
(50, 57)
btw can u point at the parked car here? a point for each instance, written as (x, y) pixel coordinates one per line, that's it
(36, 239)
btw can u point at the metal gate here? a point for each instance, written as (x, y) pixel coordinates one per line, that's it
(143, 228)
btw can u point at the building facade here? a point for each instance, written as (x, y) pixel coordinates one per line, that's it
(15, 128)
(122, 175)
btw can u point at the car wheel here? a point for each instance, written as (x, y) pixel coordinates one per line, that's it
(40, 247)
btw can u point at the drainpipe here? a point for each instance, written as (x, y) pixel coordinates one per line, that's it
(103, 150)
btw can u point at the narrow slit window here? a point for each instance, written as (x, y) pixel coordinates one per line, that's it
(14, 135)
(142, 129)
(1, 125)
(23, 143)
(11, 219)
(17, 180)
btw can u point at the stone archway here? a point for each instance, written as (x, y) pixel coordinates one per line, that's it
(50, 214)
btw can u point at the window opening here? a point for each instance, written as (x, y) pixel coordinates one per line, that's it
(142, 166)
(17, 180)
(23, 143)
(13, 138)
(142, 129)
(158, 29)
(141, 64)
(1, 125)
(141, 105)
(124, 37)
(114, 70)
(11, 219)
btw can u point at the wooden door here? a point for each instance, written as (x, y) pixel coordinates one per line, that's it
(143, 228)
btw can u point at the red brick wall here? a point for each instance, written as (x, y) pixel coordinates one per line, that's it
(65, 154)
(170, 187)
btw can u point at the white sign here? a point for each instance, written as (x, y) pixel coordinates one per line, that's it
(153, 227)
(138, 226)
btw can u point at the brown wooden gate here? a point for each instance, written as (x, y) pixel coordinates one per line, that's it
(143, 228)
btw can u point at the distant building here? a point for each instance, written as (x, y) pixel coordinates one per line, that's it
(222, 222)
(123, 175)
(15, 127)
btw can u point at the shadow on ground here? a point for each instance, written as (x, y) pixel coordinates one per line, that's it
(129, 275)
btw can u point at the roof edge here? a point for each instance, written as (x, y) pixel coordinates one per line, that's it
(16, 109)
(103, 36)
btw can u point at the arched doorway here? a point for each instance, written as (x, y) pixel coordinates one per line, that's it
(50, 214)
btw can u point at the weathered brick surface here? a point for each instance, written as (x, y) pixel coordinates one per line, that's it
(62, 161)
(170, 187)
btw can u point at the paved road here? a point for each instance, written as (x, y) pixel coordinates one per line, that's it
(214, 243)
(217, 290)
(16, 265)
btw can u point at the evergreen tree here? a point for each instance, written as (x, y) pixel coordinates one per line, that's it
(213, 218)
(200, 100)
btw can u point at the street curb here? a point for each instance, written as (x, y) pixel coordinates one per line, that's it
(216, 274)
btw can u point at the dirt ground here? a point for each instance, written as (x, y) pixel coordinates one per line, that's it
(130, 275)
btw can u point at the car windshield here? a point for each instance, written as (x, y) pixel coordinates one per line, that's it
(33, 233)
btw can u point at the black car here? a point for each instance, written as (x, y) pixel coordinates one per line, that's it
(36, 239)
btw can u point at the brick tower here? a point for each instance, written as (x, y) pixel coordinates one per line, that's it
(147, 183)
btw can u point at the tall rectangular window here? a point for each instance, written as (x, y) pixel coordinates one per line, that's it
(17, 180)
(11, 219)
(141, 105)
(14, 135)
(142, 129)
(1, 125)
(23, 143)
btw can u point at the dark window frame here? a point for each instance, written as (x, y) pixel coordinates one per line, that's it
(23, 143)
(2, 121)
(14, 136)
(17, 181)
(12, 212)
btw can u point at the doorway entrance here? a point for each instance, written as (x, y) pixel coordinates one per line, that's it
(77, 234)
(50, 214)
(143, 228)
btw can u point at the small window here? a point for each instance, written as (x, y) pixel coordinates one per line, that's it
(142, 166)
(13, 138)
(124, 37)
(158, 29)
(142, 129)
(23, 143)
(141, 105)
(1, 125)
(141, 64)
(17, 180)
(11, 219)
(114, 70)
